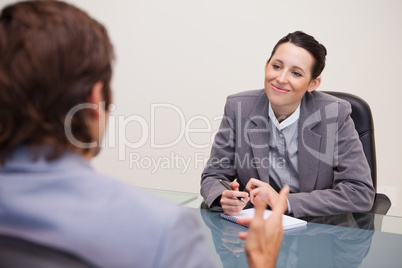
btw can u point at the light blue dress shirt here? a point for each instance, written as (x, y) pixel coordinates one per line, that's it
(67, 205)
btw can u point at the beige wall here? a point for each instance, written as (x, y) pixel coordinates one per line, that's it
(192, 54)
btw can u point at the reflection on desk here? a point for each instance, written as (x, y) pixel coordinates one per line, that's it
(178, 198)
(337, 241)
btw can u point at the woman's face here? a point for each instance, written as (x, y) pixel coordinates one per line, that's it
(288, 77)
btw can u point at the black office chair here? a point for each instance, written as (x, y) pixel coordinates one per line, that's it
(363, 119)
(19, 253)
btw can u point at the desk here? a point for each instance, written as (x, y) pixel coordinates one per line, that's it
(350, 240)
(178, 198)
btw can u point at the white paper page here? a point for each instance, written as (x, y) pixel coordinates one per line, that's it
(287, 221)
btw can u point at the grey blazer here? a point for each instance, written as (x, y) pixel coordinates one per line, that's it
(334, 175)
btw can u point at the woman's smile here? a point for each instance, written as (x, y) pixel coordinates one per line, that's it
(279, 89)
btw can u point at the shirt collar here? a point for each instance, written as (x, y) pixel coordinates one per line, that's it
(285, 123)
(24, 158)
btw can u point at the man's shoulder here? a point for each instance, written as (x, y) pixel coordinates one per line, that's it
(76, 178)
(136, 198)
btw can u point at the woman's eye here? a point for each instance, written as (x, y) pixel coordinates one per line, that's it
(297, 74)
(276, 67)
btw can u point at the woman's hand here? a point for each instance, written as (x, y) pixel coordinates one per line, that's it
(229, 202)
(255, 188)
(264, 238)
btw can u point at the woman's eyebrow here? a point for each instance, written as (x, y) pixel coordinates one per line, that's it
(278, 60)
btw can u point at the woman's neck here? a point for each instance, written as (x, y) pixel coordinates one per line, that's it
(283, 112)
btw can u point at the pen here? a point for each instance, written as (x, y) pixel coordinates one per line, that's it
(230, 188)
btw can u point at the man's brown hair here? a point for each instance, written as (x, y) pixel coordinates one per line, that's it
(51, 54)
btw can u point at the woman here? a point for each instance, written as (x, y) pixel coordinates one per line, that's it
(289, 134)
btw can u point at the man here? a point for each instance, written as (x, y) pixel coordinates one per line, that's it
(55, 73)
(54, 57)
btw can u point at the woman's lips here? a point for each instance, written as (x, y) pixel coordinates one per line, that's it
(279, 89)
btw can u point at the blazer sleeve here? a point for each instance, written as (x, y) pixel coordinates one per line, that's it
(352, 188)
(221, 162)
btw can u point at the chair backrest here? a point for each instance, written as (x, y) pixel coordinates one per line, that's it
(19, 253)
(363, 119)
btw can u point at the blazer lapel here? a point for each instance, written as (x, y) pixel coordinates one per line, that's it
(309, 143)
(258, 134)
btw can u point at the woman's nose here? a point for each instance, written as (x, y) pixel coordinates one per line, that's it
(282, 77)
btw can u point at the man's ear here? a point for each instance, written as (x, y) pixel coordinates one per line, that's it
(95, 97)
(314, 84)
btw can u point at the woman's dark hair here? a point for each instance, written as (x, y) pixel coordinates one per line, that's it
(51, 55)
(303, 40)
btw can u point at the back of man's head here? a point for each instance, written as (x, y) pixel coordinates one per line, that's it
(51, 54)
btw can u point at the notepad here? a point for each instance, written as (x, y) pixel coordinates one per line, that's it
(288, 222)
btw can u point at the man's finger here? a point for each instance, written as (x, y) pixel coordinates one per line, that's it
(243, 235)
(259, 206)
(281, 204)
(244, 221)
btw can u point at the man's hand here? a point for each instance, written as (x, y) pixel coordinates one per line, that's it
(264, 238)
